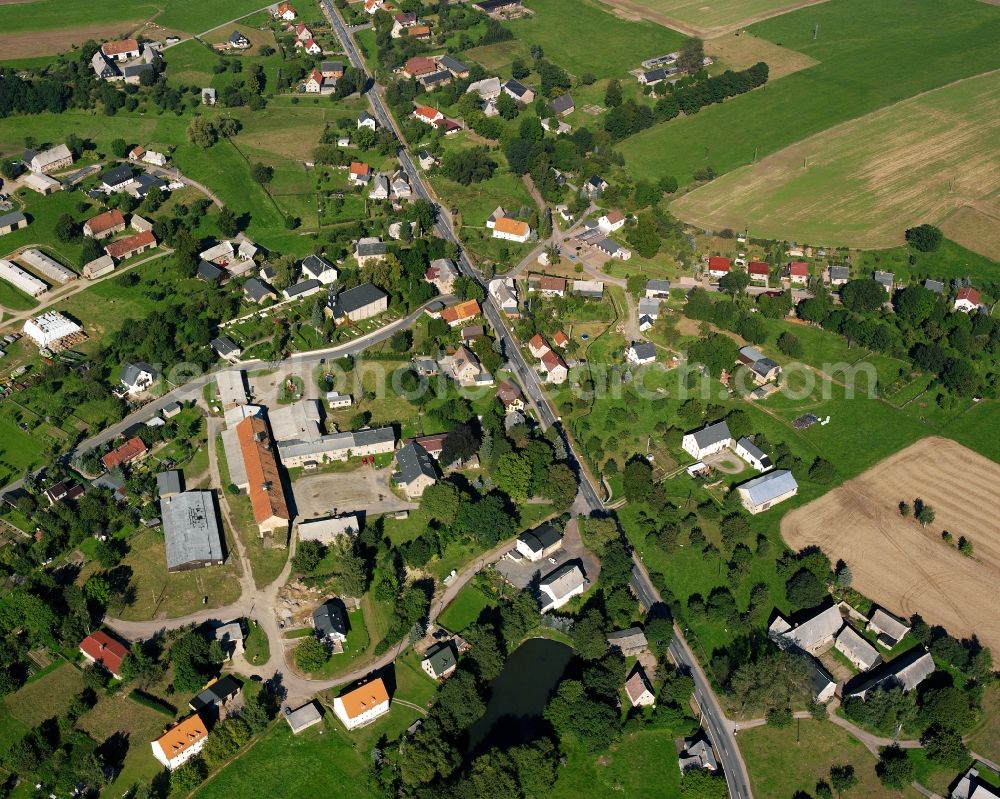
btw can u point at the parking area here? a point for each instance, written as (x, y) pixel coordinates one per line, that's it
(520, 572)
(363, 489)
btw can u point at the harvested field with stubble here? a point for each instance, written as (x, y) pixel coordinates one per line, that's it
(864, 182)
(976, 226)
(899, 564)
(742, 51)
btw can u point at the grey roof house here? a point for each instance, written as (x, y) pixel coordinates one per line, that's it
(440, 660)
(415, 470)
(562, 105)
(328, 619)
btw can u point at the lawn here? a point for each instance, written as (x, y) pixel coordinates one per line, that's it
(42, 213)
(642, 764)
(464, 608)
(160, 593)
(870, 56)
(324, 760)
(139, 724)
(256, 647)
(784, 761)
(14, 299)
(45, 697)
(613, 45)
(46, 15)
(933, 158)
(950, 261)
(319, 762)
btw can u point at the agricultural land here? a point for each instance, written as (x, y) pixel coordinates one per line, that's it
(898, 561)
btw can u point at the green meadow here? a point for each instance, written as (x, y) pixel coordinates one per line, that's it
(871, 55)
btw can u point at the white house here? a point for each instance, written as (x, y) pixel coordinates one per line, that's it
(440, 661)
(181, 742)
(560, 586)
(540, 543)
(611, 221)
(137, 377)
(753, 455)
(640, 353)
(707, 441)
(640, 692)
(555, 368)
(362, 705)
(319, 269)
(967, 299)
(511, 230)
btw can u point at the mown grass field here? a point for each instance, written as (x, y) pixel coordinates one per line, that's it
(935, 153)
(784, 761)
(584, 37)
(464, 608)
(191, 16)
(717, 14)
(871, 55)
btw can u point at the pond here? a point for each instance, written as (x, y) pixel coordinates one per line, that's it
(522, 689)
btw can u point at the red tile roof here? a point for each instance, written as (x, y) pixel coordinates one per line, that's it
(267, 495)
(358, 168)
(537, 342)
(464, 310)
(759, 268)
(127, 246)
(104, 649)
(128, 451)
(560, 338)
(432, 444)
(426, 112)
(419, 65)
(615, 216)
(970, 294)
(719, 264)
(120, 46)
(547, 283)
(106, 221)
(551, 361)
(798, 268)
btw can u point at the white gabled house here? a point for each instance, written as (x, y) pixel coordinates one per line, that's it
(707, 441)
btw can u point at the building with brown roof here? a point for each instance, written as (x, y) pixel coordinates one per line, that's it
(181, 742)
(362, 705)
(418, 66)
(131, 245)
(105, 224)
(132, 450)
(267, 494)
(103, 650)
(121, 49)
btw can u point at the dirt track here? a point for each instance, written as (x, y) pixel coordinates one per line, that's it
(897, 563)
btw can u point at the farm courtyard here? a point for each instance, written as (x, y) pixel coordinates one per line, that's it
(897, 562)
